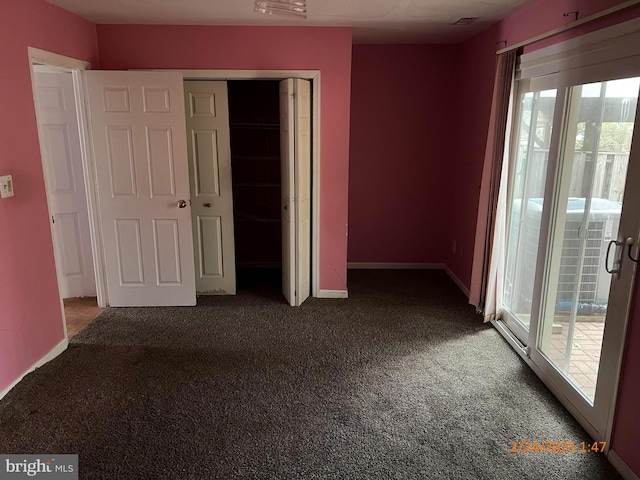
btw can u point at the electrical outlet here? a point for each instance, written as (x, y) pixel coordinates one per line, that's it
(6, 186)
(453, 246)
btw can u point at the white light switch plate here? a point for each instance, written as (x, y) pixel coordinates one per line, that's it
(6, 186)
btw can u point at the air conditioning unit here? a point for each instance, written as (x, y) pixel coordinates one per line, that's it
(594, 281)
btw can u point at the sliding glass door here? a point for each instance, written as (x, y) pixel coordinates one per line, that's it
(528, 175)
(586, 221)
(573, 201)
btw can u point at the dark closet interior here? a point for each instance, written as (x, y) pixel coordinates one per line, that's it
(254, 118)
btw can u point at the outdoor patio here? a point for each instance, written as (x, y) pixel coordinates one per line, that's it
(585, 352)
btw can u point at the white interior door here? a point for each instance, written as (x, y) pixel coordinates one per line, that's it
(139, 140)
(61, 155)
(295, 151)
(208, 144)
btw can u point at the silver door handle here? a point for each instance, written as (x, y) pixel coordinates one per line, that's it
(606, 259)
(182, 204)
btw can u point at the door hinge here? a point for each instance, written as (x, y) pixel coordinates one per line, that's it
(53, 220)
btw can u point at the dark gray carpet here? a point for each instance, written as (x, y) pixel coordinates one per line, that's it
(400, 381)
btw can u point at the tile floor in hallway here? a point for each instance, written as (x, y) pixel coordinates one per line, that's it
(79, 312)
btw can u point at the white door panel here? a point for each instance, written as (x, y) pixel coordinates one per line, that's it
(210, 177)
(58, 126)
(303, 188)
(287, 156)
(295, 151)
(138, 134)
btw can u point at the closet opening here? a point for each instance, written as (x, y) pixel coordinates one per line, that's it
(254, 120)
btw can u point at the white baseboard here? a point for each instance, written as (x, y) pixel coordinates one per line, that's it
(332, 294)
(622, 468)
(395, 266)
(53, 353)
(457, 281)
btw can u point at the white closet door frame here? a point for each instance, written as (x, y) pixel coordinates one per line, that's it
(314, 77)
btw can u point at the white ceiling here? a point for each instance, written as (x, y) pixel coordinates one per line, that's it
(373, 21)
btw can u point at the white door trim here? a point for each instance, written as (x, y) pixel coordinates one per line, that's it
(37, 55)
(314, 77)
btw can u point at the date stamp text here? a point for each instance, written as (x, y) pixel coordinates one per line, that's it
(545, 446)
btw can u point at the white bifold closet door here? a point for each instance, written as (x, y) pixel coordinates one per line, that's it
(139, 139)
(295, 151)
(209, 154)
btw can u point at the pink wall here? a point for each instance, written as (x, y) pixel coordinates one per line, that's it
(30, 318)
(264, 48)
(473, 83)
(475, 79)
(399, 152)
(626, 432)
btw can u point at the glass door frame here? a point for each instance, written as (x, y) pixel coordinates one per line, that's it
(597, 419)
(522, 87)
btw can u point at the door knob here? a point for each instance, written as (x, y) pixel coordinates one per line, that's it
(208, 205)
(182, 204)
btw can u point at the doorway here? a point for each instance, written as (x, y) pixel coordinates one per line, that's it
(572, 215)
(270, 200)
(60, 144)
(309, 86)
(254, 120)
